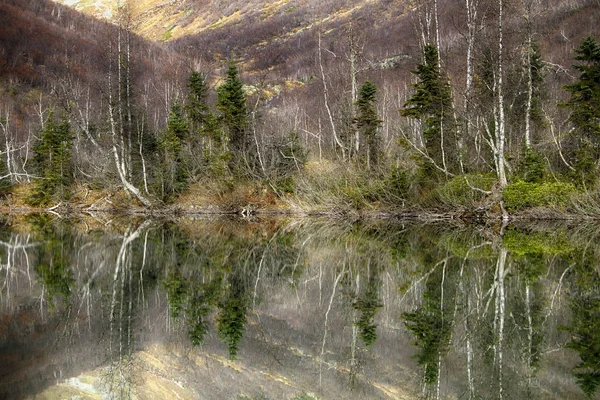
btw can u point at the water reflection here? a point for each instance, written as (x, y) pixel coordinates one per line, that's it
(296, 309)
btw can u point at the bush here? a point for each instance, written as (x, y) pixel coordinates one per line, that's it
(520, 194)
(532, 167)
(459, 190)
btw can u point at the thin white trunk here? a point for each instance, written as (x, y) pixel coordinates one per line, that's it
(115, 139)
(529, 101)
(353, 84)
(325, 96)
(529, 335)
(501, 303)
(501, 133)
(437, 32)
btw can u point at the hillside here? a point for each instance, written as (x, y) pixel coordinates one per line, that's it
(124, 89)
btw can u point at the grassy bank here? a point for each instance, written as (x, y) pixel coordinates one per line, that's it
(336, 189)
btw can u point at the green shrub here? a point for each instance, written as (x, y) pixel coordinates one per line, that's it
(520, 194)
(532, 167)
(459, 191)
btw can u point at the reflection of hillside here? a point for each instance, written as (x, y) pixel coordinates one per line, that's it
(219, 308)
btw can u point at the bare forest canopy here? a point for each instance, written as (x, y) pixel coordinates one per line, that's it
(443, 104)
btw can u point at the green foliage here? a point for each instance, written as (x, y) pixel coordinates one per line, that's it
(367, 122)
(176, 289)
(231, 104)
(432, 105)
(231, 321)
(536, 65)
(172, 175)
(532, 168)
(520, 194)
(202, 299)
(584, 106)
(53, 164)
(522, 243)
(431, 332)
(368, 305)
(201, 120)
(398, 183)
(459, 191)
(54, 257)
(585, 331)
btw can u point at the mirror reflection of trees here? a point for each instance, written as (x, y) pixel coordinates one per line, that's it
(360, 306)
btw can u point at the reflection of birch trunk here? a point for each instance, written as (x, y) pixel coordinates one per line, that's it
(500, 314)
(335, 284)
(353, 359)
(439, 375)
(120, 264)
(15, 245)
(529, 335)
(119, 373)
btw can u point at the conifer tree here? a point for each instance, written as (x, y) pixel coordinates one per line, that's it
(584, 105)
(231, 104)
(197, 107)
(206, 133)
(432, 105)
(368, 122)
(53, 163)
(174, 175)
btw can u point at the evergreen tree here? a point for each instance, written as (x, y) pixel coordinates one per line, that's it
(584, 105)
(432, 105)
(231, 104)
(197, 107)
(368, 122)
(206, 133)
(53, 163)
(173, 175)
(536, 66)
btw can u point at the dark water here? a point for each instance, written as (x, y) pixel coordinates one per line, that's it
(298, 309)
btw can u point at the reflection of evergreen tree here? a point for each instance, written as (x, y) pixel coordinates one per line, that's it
(530, 312)
(54, 256)
(367, 305)
(432, 332)
(176, 293)
(585, 327)
(231, 321)
(203, 297)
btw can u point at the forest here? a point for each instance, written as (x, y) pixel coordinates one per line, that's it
(475, 108)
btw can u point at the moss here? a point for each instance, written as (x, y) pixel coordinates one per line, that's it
(520, 194)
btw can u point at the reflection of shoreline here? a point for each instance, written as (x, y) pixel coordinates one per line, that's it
(286, 271)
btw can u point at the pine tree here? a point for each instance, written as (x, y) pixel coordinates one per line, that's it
(231, 104)
(432, 105)
(368, 122)
(197, 108)
(53, 163)
(173, 178)
(584, 105)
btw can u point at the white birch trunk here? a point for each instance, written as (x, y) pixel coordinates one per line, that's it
(325, 93)
(501, 132)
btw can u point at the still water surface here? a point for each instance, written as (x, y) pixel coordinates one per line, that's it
(297, 309)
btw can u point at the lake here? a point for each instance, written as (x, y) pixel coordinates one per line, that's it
(230, 308)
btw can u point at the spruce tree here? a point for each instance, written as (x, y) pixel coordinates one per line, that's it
(231, 104)
(432, 105)
(53, 163)
(584, 105)
(368, 122)
(173, 177)
(197, 108)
